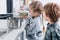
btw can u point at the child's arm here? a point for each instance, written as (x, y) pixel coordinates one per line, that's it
(39, 27)
(47, 35)
(58, 31)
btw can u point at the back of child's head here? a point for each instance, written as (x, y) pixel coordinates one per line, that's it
(36, 6)
(52, 10)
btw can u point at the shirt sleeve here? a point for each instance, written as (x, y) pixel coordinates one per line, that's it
(27, 24)
(47, 35)
(39, 28)
(39, 25)
(58, 31)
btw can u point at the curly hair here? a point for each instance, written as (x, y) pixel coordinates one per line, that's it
(53, 11)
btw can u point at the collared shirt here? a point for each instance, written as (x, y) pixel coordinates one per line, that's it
(53, 32)
(34, 28)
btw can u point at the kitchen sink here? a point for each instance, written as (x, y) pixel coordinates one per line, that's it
(3, 32)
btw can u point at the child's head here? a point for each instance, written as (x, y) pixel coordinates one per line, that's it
(51, 12)
(35, 8)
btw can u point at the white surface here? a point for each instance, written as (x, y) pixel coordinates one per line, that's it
(16, 4)
(48, 1)
(13, 34)
(3, 24)
(3, 8)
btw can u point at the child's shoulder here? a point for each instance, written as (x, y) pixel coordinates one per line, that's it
(39, 19)
(57, 26)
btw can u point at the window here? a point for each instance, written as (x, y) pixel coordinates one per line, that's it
(9, 6)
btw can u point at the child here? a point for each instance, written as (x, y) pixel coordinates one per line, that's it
(52, 15)
(34, 27)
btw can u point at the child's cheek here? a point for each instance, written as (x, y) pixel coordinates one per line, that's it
(31, 13)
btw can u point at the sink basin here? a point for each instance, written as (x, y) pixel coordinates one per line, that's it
(2, 32)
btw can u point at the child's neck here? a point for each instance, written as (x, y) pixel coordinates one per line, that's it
(51, 22)
(34, 16)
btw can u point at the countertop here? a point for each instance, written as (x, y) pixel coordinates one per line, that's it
(14, 33)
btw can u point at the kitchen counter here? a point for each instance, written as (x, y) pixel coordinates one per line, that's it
(14, 33)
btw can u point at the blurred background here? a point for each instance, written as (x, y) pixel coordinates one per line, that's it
(15, 7)
(16, 4)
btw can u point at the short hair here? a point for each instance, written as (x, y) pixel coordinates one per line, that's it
(53, 11)
(36, 6)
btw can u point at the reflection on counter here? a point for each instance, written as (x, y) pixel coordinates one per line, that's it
(12, 23)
